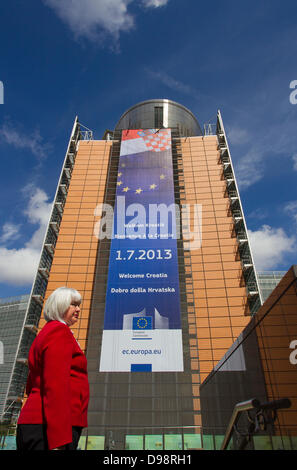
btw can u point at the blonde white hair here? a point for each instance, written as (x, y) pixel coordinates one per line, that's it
(58, 303)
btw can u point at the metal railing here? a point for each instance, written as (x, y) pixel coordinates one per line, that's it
(265, 414)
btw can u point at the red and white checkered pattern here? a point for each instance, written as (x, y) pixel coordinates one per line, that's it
(159, 141)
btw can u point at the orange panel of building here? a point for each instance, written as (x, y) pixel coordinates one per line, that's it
(220, 302)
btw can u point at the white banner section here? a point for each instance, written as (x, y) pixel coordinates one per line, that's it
(141, 351)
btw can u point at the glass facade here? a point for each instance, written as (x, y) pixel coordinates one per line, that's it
(12, 314)
(268, 280)
(261, 364)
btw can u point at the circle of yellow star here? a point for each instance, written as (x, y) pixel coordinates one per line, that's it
(142, 323)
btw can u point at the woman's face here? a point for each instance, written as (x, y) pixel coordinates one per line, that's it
(72, 314)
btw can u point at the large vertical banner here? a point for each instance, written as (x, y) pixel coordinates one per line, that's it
(142, 323)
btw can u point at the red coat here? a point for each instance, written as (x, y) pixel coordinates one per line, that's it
(57, 386)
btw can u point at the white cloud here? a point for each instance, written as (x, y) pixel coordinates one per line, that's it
(237, 136)
(38, 212)
(38, 206)
(18, 265)
(291, 209)
(270, 246)
(10, 232)
(266, 144)
(90, 18)
(32, 142)
(259, 213)
(172, 83)
(154, 3)
(250, 169)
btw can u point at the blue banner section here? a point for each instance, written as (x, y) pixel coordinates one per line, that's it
(143, 282)
(141, 367)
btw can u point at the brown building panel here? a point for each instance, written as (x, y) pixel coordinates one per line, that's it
(267, 371)
(277, 329)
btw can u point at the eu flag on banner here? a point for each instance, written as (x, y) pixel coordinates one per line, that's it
(142, 323)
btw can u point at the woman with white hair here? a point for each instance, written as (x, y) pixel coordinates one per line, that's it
(55, 411)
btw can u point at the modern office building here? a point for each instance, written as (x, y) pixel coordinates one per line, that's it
(267, 281)
(148, 225)
(12, 315)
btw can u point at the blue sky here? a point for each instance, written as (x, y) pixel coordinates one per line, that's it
(96, 58)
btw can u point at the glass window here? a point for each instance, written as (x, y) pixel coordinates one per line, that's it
(95, 442)
(208, 443)
(192, 441)
(173, 442)
(262, 443)
(158, 116)
(218, 441)
(9, 443)
(154, 442)
(82, 443)
(134, 442)
(281, 443)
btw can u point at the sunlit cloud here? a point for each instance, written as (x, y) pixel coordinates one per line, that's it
(10, 232)
(172, 83)
(33, 141)
(272, 247)
(18, 265)
(93, 19)
(291, 209)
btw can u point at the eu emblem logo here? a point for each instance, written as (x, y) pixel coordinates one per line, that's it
(142, 323)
